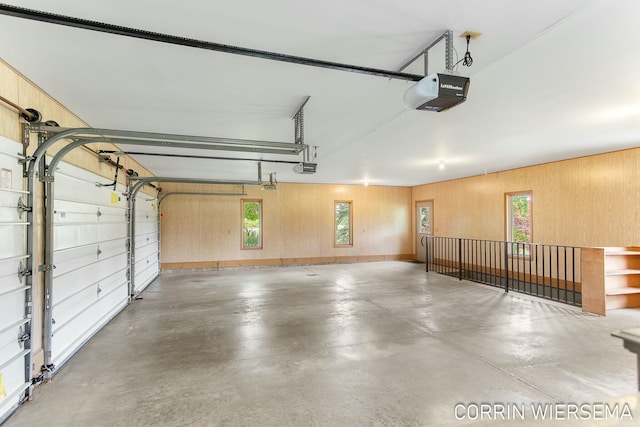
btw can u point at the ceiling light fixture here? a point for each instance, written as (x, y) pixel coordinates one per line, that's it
(441, 166)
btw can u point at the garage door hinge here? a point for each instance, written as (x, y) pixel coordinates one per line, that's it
(22, 207)
(46, 371)
(23, 338)
(47, 178)
(46, 267)
(37, 380)
(23, 271)
(24, 159)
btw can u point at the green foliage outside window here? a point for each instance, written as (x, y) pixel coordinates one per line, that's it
(343, 223)
(251, 225)
(520, 205)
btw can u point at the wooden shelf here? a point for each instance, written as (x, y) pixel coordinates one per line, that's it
(623, 272)
(622, 277)
(623, 253)
(623, 291)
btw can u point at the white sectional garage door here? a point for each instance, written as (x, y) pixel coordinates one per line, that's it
(14, 358)
(147, 264)
(90, 283)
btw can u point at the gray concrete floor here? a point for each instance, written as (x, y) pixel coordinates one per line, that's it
(378, 343)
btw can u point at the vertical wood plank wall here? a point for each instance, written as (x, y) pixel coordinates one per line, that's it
(297, 226)
(588, 201)
(20, 90)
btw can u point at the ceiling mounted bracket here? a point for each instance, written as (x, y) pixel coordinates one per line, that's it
(298, 122)
(448, 50)
(424, 53)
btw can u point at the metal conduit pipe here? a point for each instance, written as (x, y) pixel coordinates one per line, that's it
(79, 137)
(133, 191)
(29, 114)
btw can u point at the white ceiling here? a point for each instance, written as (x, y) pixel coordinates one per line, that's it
(551, 80)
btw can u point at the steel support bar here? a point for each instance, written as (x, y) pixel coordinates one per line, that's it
(29, 271)
(88, 135)
(194, 156)
(48, 276)
(422, 52)
(448, 50)
(298, 123)
(102, 27)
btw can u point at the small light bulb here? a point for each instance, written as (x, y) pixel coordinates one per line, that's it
(441, 166)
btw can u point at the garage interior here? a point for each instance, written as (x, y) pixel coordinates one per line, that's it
(233, 217)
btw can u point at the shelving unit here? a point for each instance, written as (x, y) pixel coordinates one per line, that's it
(622, 277)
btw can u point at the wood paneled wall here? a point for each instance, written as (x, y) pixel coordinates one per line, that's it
(298, 221)
(589, 201)
(21, 91)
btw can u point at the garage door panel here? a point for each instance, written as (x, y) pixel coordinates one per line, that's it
(13, 321)
(75, 235)
(145, 228)
(13, 381)
(76, 185)
(74, 212)
(90, 255)
(85, 297)
(147, 249)
(147, 266)
(74, 281)
(147, 242)
(71, 259)
(14, 235)
(9, 270)
(9, 203)
(147, 273)
(145, 261)
(68, 339)
(11, 307)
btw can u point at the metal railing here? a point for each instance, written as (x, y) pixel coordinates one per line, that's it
(547, 271)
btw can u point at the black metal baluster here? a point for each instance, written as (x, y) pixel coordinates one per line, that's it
(558, 271)
(506, 266)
